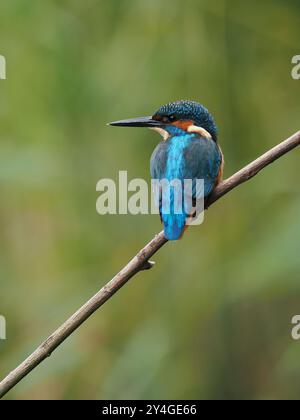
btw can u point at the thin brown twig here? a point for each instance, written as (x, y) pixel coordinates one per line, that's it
(138, 263)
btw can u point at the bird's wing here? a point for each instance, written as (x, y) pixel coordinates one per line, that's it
(158, 164)
(202, 160)
(158, 160)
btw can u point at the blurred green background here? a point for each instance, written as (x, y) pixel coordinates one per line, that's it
(213, 318)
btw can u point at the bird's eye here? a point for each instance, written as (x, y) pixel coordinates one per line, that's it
(166, 119)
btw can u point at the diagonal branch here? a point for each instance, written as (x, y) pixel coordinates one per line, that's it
(138, 263)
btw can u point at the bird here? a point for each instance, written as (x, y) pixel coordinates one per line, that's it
(189, 149)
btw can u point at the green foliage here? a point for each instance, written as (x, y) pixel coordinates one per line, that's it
(212, 319)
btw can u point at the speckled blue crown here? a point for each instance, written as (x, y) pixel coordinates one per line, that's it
(190, 110)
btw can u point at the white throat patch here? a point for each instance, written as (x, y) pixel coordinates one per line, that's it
(199, 130)
(165, 135)
(191, 129)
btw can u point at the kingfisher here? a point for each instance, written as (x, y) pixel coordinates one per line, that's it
(188, 150)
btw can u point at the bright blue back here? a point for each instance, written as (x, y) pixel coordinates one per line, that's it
(185, 156)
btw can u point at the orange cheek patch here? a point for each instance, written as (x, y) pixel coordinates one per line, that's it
(183, 125)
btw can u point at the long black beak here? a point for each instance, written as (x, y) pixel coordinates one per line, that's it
(137, 122)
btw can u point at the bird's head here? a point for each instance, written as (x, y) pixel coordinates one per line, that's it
(176, 118)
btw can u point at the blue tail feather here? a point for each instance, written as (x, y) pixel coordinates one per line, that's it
(174, 225)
